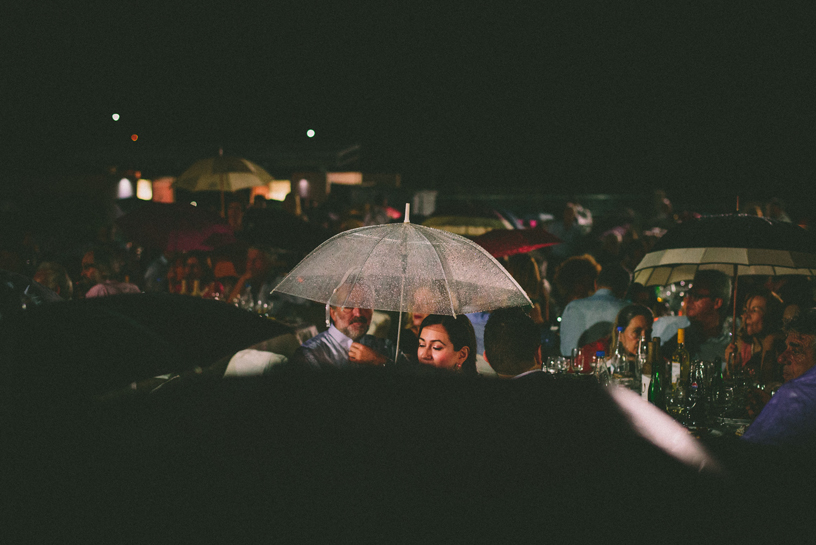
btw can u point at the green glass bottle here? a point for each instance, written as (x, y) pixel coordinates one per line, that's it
(657, 390)
(646, 368)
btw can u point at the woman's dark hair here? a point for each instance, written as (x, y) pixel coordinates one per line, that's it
(461, 333)
(203, 259)
(106, 261)
(628, 313)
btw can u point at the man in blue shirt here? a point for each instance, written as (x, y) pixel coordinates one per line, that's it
(789, 418)
(345, 344)
(709, 326)
(587, 320)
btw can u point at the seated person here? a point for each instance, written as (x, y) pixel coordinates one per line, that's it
(197, 269)
(55, 277)
(512, 343)
(789, 418)
(345, 345)
(175, 275)
(706, 307)
(760, 339)
(588, 319)
(575, 278)
(635, 321)
(449, 343)
(99, 270)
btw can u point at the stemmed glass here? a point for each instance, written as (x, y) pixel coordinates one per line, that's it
(577, 361)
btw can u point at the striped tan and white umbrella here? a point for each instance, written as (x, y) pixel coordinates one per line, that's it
(222, 173)
(735, 244)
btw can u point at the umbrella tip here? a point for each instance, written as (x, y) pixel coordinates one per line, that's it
(407, 213)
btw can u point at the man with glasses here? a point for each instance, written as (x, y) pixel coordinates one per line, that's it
(706, 308)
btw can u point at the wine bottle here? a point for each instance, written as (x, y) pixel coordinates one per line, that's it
(680, 362)
(646, 369)
(196, 288)
(657, 390)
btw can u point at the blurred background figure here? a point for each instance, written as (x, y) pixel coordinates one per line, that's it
(235, 216)
(175, 275)
(55, 277)
(258, 278)
(575, 278)
(775, 209)
(155, 276)
(524, 270)
(663, 214)
(100, 271)
(409, 337)
(377, 213)
(574, 225)
(198, 273)
(588, 319)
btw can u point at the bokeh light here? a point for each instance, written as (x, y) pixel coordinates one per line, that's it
(115, 117)
(125, 189)
(134, 137)
(310, 133)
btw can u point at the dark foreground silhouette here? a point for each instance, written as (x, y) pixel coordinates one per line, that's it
(385, 455)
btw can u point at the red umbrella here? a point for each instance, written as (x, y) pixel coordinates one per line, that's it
(177, 227)
(505, 242)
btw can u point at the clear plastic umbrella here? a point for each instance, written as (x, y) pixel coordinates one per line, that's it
(436, 271)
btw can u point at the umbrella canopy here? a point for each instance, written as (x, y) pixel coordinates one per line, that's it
(222, 173)
(471, 226)
(506, 242)
(175, 227)
(441, 272)
(735, 244)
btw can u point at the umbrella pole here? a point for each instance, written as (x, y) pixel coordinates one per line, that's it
(223, 209)
(734, 303)
(399, 322)
(402, 286)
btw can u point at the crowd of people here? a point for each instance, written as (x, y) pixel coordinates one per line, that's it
(582, 294)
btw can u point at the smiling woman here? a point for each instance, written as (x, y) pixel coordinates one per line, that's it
(448, 342)
(760, 339)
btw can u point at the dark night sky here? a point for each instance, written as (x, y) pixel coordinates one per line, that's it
(590, 96)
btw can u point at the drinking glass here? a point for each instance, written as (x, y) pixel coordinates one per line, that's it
(676, 402)
(577, 361)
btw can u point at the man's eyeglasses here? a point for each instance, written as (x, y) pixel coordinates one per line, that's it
(698, 295)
